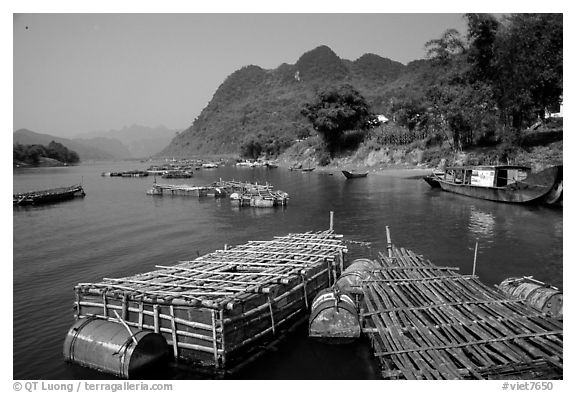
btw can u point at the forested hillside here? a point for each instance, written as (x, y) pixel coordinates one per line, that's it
(254, 103)
(481, 88)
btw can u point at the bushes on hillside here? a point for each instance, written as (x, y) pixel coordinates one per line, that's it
(269, 146)
(31, 154)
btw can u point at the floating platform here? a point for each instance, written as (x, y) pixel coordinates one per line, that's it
(241, 194)
(126, 174)
(48, 196)
(260, 198)
(429, 322)
(178, 189)
(217, 311)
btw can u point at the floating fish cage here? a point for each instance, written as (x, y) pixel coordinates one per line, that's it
(219, 310)
(178, 189)
(260, 199)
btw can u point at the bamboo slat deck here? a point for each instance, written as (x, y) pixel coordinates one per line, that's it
(429, 322)
(216, 310)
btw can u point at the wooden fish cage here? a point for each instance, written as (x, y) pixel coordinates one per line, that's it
(429, 322)
(217, 311)
(260, 198)
(178, 189)
(244, 194)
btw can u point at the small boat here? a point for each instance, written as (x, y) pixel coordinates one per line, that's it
(500, 183)
(307, 169)
(209, 165)
(353, 175)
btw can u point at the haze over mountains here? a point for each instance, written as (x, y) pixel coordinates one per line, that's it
(254, 101)
(130, 142)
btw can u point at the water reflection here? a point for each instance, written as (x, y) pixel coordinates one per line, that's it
(482, 223)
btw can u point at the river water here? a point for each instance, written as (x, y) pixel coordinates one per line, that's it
(118, 230)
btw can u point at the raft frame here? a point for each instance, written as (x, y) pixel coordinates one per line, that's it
(218, 310)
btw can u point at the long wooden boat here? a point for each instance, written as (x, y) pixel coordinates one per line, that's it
(220, 310)
(501, 183)
(48, 196)
(354, 175)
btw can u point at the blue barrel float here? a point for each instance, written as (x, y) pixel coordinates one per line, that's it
(538, 294)
(351, 279)
(111, 347)
(334, 317)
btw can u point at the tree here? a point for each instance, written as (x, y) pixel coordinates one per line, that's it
(445, 47)
(482, 32)
(336, 110)
(528, 66)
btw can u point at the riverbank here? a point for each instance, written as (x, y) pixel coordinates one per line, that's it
(378, 159)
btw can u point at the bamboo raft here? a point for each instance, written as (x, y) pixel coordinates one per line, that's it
(429, 322)
(217, 311)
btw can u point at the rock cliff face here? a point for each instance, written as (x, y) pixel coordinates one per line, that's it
(253, 101)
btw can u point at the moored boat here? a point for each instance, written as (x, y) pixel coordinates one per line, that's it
(48, 196)
(501, 183)
(432, 179)
(354, 175)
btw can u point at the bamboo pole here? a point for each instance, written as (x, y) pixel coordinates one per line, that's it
(121, 320)
(222, 337)
(140, 315)
(104, 305)
(174, 332)
(270, 307)
(388, 242)
(475, 254)
(331, 220)
(125, 307)
(155, 307)
(214, 339)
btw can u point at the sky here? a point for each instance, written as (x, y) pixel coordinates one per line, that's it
(76, 73)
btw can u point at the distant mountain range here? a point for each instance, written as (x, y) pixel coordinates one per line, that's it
(139, 141)
(129, 142)
(253, 101)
